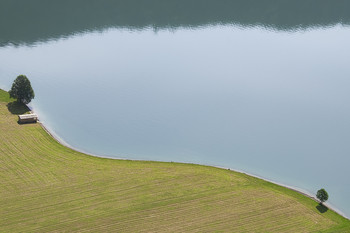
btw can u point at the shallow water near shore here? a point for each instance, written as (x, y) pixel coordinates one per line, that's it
(271, 102)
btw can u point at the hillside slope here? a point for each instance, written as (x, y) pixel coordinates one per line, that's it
(45, 186)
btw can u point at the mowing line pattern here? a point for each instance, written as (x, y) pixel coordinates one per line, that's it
(46, 187)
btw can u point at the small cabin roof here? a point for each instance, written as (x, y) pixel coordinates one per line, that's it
(27, 116)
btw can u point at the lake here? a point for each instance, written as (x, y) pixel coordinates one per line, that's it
(257, 86)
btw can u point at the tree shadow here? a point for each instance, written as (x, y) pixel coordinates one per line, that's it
(321, 208)
(17, 108)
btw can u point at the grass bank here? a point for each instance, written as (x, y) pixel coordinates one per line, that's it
(45, 186)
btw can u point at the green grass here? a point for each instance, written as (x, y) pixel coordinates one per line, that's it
(45, 186)
(5, 97)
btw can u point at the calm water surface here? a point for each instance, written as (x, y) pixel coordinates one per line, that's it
(266, 95)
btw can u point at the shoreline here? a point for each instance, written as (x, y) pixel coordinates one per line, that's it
(298, 190)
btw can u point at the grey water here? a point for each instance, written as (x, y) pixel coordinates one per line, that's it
(258, 86)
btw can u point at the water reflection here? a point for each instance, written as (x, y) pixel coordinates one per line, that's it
(26, 22)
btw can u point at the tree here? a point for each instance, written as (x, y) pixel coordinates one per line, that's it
(22, 90)
(322, 195)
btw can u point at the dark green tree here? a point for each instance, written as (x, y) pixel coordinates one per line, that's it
(322, 195)
(22, 90)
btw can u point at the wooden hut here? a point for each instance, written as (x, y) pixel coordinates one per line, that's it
(27, 118)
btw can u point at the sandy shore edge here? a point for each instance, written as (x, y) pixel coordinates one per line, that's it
(303, 192)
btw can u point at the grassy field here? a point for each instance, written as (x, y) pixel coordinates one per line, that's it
(45, 186)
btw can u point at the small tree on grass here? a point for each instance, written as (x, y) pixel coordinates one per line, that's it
(22, 90)
(322, 195)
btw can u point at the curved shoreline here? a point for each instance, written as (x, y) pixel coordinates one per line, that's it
(298, 190)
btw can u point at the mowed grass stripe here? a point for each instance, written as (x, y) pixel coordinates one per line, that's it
(195, 212)
(46, 187)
